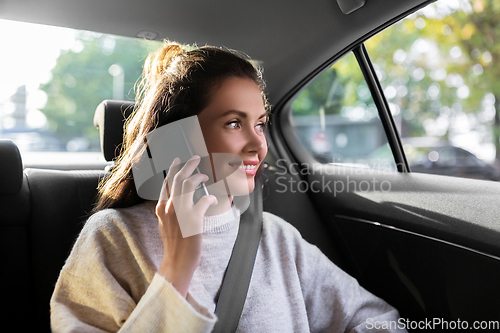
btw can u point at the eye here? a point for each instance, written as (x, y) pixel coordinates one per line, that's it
(261, 126)
(233, 124)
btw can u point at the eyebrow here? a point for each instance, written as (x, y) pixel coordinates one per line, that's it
(241, 114)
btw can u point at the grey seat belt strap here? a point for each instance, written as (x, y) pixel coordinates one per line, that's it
(239, 271)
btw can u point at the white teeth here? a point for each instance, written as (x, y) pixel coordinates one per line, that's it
(247, 167)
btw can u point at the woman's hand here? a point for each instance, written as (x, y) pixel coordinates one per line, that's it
(181, 223)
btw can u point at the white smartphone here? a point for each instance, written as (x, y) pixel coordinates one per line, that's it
(163, 145)
(182, 149)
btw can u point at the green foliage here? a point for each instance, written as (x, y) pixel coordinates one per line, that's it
(437, 65)
(457, 53)
(333, 89)
(81, 80)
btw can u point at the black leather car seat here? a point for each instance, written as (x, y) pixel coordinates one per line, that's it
(41, 214)
(61, 201)
(16, 277)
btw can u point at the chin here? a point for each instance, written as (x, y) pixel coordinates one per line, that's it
(238, 185)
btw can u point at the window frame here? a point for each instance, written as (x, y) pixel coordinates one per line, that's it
(280, 130)
(288, 137)
(378, 96)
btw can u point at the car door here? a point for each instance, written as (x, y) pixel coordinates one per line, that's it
(428, 244)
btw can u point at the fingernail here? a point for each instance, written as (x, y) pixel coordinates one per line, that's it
(195, 157)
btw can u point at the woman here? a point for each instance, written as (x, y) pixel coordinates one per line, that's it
(131, 269)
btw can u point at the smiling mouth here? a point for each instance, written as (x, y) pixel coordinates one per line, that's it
(249, 169)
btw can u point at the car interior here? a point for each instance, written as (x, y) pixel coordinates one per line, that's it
(429, 246)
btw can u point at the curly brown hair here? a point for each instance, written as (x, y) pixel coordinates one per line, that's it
(176, 83)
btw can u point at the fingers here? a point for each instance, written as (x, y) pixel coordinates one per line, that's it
(176, 204)
(181, 176)
(189, 185)
(205, 202)
(172, 171)
(182, 181)
(166, 189)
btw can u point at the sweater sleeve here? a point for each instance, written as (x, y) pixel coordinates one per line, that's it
(334, 301)
(337, 303)
(107, 285)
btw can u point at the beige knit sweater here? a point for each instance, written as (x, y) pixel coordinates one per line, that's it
(109, 282)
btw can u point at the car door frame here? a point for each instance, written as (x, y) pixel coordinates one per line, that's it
(426, 228)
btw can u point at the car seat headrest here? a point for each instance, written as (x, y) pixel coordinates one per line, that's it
(110, 118)
(11, 168)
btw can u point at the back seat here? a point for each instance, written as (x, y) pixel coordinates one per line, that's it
(42, 212)
(61, 201)
(40, 217)
(15, 250)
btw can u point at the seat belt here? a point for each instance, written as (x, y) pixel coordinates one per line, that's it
(239, 270)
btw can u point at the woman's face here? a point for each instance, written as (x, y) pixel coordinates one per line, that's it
(234, 123)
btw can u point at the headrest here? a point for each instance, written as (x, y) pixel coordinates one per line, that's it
(110, 119)
(11, 168)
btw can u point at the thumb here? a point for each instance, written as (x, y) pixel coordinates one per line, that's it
(205, 202)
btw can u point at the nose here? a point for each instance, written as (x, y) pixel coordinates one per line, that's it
(255, 141)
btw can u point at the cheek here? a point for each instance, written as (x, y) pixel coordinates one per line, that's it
(213, 140)
(221, 144)
(263, 153)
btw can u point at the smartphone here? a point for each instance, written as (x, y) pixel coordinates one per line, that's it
(201, 190)
(179, 146)
(162, 146)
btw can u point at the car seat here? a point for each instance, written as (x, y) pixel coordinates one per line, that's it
(42, 212)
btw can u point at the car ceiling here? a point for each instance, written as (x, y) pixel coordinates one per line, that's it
(291, 38)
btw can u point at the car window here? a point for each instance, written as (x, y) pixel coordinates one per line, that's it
(439, 69)
(337, 121)
(52, 81)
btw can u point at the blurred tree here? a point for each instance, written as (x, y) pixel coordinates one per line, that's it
(439, 69)
(81, 80)
(478, 34)
(442, 64)
(339, 86)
